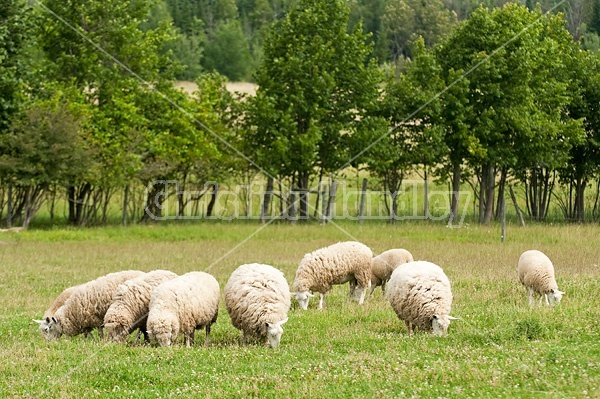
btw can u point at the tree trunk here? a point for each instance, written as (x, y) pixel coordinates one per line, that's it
(213, 200)
(580, 199)
(455, 193)
(303, 179)
(514, 200)
(490, 175)
(125, 201)
(266, 200)
(501, 191)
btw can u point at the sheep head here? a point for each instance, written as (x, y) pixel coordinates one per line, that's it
(303, 298)
(274, 332)
(440, 323)
(554, 296)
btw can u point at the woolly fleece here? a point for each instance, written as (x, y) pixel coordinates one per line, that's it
(130, 306)
(255, 295)
(182, 305)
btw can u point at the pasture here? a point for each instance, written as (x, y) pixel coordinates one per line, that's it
(500, 348)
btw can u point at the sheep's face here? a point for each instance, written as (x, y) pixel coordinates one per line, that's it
(302, 298)
(44, 328)
(52, 329)
(440, 324)
(116, 332)
(274, 332)
(164, 338)
(555, 296)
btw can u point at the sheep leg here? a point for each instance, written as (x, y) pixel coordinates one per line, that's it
(373, 286)
(383, 287)
(530, 293)
(409, 327)
(101, 332)
(321, 300)
(361, 299)
(352, 287)
(207, 339)
(189, 339)
(545, 296)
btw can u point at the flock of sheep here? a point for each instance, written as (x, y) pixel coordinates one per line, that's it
(162, 305)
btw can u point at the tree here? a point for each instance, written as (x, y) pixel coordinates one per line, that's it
(406, 20)
(228, 52)
(89, 52)
(315, 82)
(517, 92)
(411, 109)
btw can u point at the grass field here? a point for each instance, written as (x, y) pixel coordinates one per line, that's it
(500, 349)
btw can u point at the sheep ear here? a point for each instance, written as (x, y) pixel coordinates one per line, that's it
(282, 322)
(38, 321)
(560, 292)
(453, 318)
(310, 295)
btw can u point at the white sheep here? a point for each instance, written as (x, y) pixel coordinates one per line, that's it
(536, 273)
(339, 263)
(420, 294)
(131, 300)
(58, 302)
(384, 264)
(183, 305)
(85, 309)
(258, 298)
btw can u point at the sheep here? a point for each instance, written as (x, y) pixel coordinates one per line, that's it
(131, 300)
(58, 302)
(536, 273)
(384, 264)
(420, 294)
(85, 309)
(183, 305)
(258, 298)
(339, 263)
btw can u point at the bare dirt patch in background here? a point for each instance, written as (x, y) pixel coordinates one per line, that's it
(233, 87)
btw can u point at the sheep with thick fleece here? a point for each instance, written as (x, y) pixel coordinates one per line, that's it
(131, 300)
(384, 264)
(536, 273)
(183, 305)
(58, 302)
(85, 309)
(258, 298)
(420, 294)
(348, 261)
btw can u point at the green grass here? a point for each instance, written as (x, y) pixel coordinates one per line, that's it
(501, 348)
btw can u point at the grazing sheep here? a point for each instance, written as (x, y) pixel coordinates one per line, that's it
(420, 294)
(536, 273)
(339, 263)
(131, 300)
(85, 309)
(384, 264)
(258, 299)
(183, 305)
(58, 302)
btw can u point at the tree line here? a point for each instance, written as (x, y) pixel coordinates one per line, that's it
(504, 96)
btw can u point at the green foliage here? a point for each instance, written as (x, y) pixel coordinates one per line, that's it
(227, 52)
(315, 81)
(15, 25)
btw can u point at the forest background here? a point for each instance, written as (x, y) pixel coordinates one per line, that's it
(479, 97)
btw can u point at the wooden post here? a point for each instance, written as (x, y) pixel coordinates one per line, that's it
(9, 207)
(125, 201)
(317, 201)
(503, 216)
(323, 203)
(331, 203)
(514, 200)
(363, 197)
(266, 200)
(426, 194)
(292, 207)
